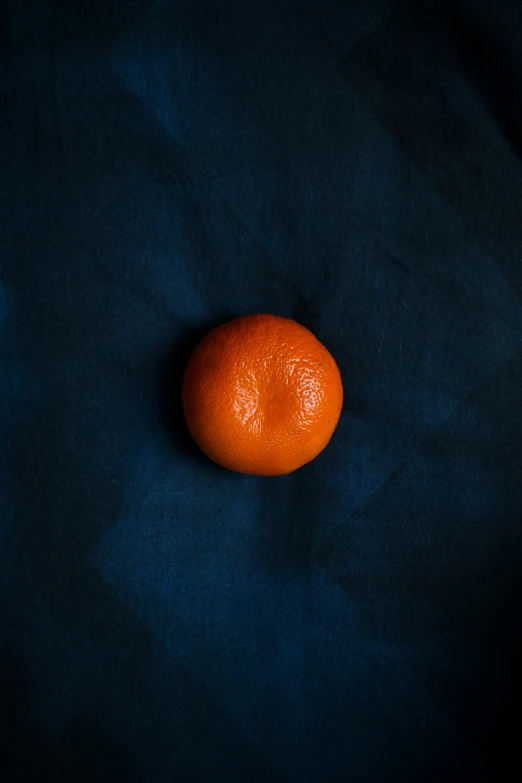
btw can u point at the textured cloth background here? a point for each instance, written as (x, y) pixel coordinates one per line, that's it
(166, 166)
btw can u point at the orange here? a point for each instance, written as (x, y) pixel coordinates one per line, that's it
(261, 395)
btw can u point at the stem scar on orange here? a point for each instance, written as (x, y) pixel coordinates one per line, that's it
(261, 395)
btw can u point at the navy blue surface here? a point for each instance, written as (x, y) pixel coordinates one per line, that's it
(166, 166)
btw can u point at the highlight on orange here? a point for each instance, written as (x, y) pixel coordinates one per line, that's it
(261, 395)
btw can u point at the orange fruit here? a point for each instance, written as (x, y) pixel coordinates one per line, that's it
(261, 395)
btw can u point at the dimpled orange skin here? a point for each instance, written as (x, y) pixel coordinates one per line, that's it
(261, 395)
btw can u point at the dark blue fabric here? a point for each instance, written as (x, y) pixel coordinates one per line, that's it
(166, 166)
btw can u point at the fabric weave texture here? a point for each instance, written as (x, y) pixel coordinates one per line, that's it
(169, 165)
